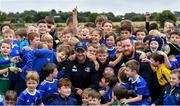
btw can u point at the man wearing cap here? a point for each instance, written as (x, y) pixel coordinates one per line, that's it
(81, 71)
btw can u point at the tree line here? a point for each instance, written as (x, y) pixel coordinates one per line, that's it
(32, 16)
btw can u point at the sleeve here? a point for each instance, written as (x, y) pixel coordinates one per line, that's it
(141, 88)
(39, 100)
(147, 26)
(41, 89)
(166, 75)
(3, 62)
(21, 100)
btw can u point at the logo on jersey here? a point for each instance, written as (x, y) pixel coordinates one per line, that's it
(87, 69)
(74, 69)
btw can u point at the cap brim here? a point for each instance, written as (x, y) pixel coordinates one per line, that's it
(80, 48)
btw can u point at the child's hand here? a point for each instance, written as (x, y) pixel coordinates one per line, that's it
(79, 91)
(102, 92)
(15, 59)
(26, 48)
(161, 53)
(72, 57)
(74, 11)
(112, 63)
(146, 60)
(15, 69)
(91, 57)
(124, 101)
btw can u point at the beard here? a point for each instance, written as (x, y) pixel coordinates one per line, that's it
(128, 53)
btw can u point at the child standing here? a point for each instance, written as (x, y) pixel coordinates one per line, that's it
(48, 87)
(30, 96)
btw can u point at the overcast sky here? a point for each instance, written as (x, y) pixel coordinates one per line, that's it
(118, 7)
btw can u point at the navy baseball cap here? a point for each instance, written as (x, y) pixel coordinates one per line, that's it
(81, 45)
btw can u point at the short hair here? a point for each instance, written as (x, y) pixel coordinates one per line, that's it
(133, 65)
(11, 95)
(154, 32)
(126, 27)
(50, 20)
(175, 32)
(41, 21)
(126, 38)
(153, 26)
(90, 24)
(46, 37)
(99, 30)
(6, 24)
(9, 31)
(102, 49)
(66, 31)
(32, 75)
(94, 94)
(110, 34)
(121, 74)
(7, 41)
(64, 82)
(120, 92)
(21, 32)
(100, 18)
(31, 36)
(141, 30)
(177, 72)
(157, 57)
(107, 21)
(49, 68)
(64, 48)
(86, 91)
(41, 45)
(112, 81)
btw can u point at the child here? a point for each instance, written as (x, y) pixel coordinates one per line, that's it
(85, 96)
(64, 89)
(106, 91)
(120, 93)
(137, 84)
(170, 95)
(140, 34)
(21, 37)
(10, 98)
(110, 43)
(48, 87)
(162, 72)
(123, 79)
(30, 96)
(119, 48)
(5, 81)
(91, 54)
(42, 27)
(95, 36)
(94, 98)
(107, 26)
(48, 40)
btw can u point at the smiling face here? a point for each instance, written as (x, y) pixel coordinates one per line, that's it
(110, 41)
(5, 49)
(64, 91)
(154, 46)
(174, 80)
(127, 47)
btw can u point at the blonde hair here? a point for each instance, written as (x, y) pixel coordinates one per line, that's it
(9, 31)
(32, 75)
(154, 32)
(46, 37)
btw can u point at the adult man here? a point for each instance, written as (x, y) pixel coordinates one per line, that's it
(81, 71)
(129, 53)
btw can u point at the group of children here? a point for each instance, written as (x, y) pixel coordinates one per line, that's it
(33, 63)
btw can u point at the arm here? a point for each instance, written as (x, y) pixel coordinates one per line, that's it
(147, 15)
(166, 60)
(130, 100)
(113, 63)
(75, 21)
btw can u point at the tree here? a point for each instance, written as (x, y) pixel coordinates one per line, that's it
(165, 15)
